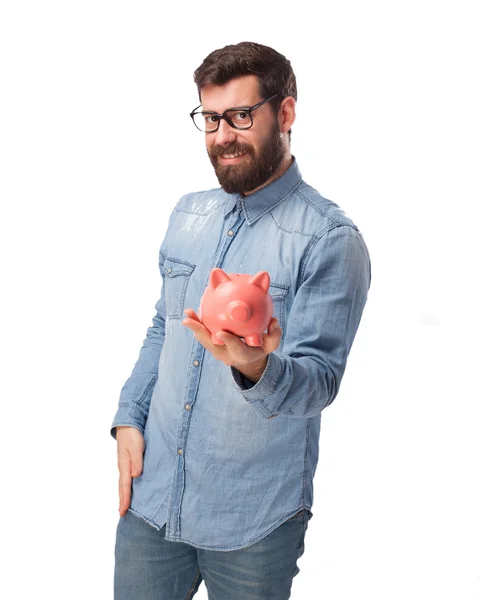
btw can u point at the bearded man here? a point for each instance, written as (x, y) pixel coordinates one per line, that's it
(218, 442)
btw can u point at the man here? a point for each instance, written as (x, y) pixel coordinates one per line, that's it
(218, 443)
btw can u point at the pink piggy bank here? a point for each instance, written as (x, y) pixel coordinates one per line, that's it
(237, 303)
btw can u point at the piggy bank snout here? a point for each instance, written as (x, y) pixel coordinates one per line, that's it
(238, 310)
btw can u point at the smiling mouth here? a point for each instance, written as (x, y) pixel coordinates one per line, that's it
(230, 157)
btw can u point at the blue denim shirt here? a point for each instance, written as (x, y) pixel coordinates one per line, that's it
(227, 461)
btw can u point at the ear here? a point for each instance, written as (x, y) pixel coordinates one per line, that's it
(261, 279)
(287, 113)
(218, 276)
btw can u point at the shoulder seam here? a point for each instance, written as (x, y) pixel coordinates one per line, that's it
(317, 208)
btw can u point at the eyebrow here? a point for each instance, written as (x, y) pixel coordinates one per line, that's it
(238, 107)
(213, 112)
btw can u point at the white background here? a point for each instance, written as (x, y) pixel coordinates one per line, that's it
(96, 147)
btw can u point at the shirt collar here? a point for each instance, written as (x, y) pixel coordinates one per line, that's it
(257, 204)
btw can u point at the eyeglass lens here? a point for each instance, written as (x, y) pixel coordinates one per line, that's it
(241, 119)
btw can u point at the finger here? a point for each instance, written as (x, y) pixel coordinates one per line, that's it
(195, 325)
(272, 339)
(230, 339)
(237, 351)
(125, 499)
(191, 314)
(274, 326)
(201, 333)
(136, 463)
(124, 484)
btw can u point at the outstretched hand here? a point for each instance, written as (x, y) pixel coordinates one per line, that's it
(235, 352)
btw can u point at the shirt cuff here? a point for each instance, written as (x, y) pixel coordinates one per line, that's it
(257, 394)
(128, 416)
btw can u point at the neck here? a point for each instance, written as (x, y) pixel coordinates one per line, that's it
(286, 163)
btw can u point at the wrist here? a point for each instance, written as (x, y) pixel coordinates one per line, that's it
(254, 372)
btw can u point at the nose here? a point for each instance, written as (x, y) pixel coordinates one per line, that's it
(225, 134)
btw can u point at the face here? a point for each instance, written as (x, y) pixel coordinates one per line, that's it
(243, 159)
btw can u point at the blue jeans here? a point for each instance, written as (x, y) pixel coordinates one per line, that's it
(147, 567)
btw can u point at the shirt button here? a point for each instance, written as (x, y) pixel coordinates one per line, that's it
(196, 362)
(188, 406)
(180, 451)
(231, 232)
(169, 269)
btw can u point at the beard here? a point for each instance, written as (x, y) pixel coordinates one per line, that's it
(255, 169)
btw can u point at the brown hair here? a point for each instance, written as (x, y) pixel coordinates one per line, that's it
(273, 70)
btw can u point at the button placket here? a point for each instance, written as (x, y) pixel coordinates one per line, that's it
(237, 212)
(235, 224)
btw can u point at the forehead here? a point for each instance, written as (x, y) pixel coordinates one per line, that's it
(241, 91)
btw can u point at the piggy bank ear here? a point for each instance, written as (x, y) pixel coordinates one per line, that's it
(261, 279)
(218, 276)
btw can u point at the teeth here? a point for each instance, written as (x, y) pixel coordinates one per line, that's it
(233, 155)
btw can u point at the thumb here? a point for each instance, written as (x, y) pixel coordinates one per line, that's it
(136, 461)
(273, 336)
(274, 328)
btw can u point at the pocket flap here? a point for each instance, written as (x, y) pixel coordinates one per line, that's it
(174, 267)
(277, 290)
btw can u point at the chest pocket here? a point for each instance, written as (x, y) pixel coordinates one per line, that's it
(278, 295)
(177, 275)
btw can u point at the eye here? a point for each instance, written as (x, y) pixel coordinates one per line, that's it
(210, 119)
(241, 116)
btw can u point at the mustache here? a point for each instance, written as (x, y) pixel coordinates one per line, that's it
(231, 149)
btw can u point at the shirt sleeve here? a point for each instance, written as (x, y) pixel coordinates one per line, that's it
(305, 377)
(135, 395)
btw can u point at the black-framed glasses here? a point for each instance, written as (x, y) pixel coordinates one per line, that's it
(239, 117)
